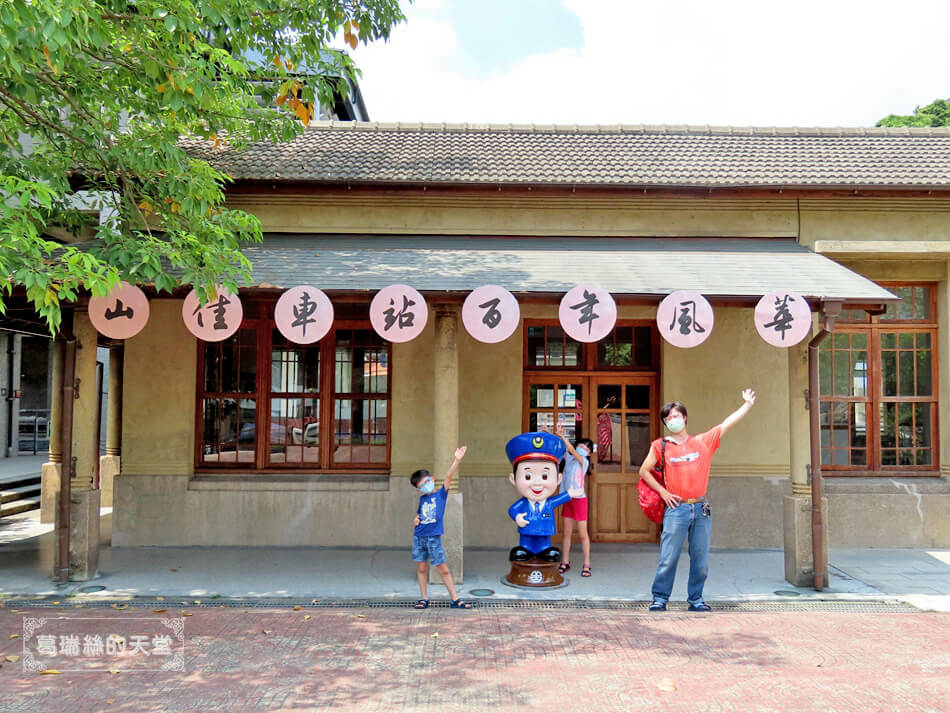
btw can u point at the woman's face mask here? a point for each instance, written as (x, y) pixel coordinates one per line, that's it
(582, 450)
(427, 486)
(676, 424)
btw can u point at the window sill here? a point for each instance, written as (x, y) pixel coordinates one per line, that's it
(289, 481)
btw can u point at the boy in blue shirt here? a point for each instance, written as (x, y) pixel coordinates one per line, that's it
(427, 537)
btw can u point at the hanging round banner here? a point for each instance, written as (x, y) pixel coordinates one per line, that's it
(398, 313)
(215, 321)
(587, 313)
(490, 314)
(685, 319)
(122, 314)
(783, 318)
(304, 314)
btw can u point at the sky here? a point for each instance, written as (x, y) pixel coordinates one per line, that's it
(732, 62)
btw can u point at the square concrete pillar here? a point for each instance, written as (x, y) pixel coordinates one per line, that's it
(451, 540)
(50, 475)
(799, 563)
(109, 467)
(83, 536)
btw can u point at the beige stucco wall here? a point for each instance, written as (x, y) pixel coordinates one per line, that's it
(156, 502)
(158, 393)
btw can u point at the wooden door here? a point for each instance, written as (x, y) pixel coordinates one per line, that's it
(624, 420)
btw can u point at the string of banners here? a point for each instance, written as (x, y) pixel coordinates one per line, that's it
(490, 314)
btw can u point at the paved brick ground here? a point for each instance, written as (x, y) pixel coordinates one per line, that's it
(566, 661)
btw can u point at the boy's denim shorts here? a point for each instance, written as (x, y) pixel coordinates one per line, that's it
(428, 548)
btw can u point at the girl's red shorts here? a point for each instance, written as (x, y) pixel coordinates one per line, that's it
(575, 509)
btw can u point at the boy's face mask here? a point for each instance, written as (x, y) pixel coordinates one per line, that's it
(676, 424)
(427, 486)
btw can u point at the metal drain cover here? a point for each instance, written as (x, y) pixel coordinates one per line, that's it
(787, 593)
(481, 592)
(91, 588)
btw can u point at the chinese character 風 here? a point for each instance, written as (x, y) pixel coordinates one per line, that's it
(687, 318)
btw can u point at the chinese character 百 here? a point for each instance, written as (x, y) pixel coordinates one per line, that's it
(687, 318)
(303, 313)
(782, 321)
(403, 316)
(587, 310)
(492, 316)
(111, 314)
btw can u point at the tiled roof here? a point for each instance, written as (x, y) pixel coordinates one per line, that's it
(635, 156)
(741, 268)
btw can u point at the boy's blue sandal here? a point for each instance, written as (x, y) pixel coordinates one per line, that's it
(461, 604)
(422, 604)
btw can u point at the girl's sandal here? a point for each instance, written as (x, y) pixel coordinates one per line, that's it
(564, 566)
(422, 604)
(461, 604)
(585, 571)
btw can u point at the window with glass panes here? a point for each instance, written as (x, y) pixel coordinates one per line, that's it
(878, 383)
(629, 346)
(320, 407)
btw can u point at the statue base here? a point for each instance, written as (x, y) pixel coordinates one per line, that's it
(534, 574)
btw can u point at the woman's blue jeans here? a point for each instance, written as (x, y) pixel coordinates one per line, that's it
(679, 523)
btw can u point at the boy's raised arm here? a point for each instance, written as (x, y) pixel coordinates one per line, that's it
(459, 454)
(748, 396)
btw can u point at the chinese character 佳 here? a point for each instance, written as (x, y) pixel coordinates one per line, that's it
(492, 315)
(782, 321)
(303, 314)
(687, 318)
(404, 316)
(118, 311)
(219, 311)
(587, 310)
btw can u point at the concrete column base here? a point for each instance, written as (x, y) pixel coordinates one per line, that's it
(799, 563)
(451, 540)
(49, 491)
(83, 536)
(109, 468)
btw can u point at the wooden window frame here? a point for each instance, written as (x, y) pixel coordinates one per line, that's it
(873, 326)
(259, 317)
(587, 361)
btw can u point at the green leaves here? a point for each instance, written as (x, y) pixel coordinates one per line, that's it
(934, 114)
(94, 96)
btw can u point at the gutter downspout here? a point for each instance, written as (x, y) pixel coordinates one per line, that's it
(830, 310)
(66, 439)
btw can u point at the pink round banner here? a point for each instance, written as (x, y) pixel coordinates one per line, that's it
(398, 313)
(783, 318)
(685, 319)
(122, 314)
(587, 313)
(215, 321)
(491, 314)
(304, 314)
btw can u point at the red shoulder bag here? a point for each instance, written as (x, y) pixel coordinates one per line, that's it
(650, 500)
